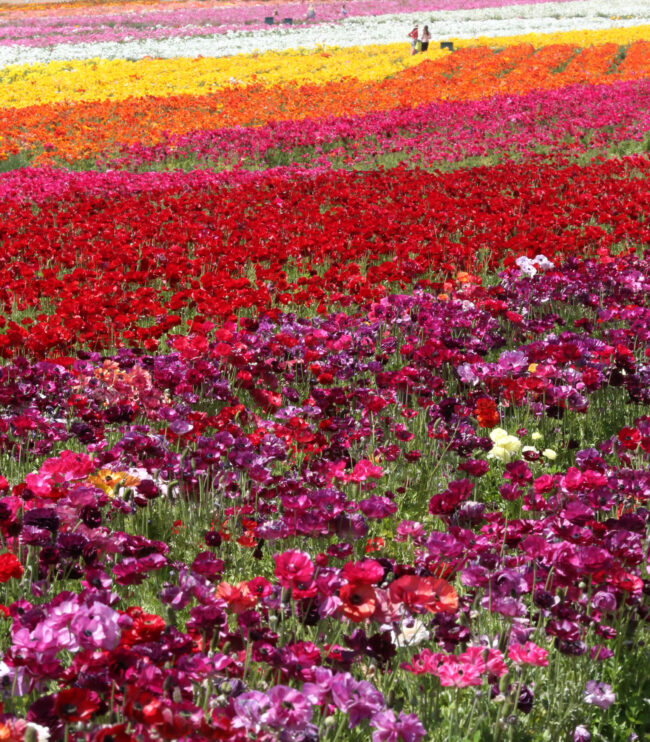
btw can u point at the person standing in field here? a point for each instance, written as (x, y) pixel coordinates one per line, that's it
(311, 13)
(425, 38)
(414, 39)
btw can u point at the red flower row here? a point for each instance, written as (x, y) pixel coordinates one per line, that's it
(124, 266)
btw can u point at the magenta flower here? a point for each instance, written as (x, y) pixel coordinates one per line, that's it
(292, 567)
(97, 627)
(364, 470)
(249, 708)
(359, 699)
(529, 654)
(457, 674)
(407, 728)
(289, 708)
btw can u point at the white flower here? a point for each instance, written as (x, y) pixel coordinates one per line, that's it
(382, 29)
(498, 434)
(526, 266)
(498, 452)
(543, 263)
(42, 733)
(505, 445)
(412, 632)
(502, 438)
(536, 436)
(549, 453)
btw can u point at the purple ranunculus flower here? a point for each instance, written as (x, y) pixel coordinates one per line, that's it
(512, 360)
(377, 507)
(289, 709)
(249, 708)
(359, 699)
(599, 694)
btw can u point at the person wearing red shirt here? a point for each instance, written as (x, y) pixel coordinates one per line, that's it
(414, 39)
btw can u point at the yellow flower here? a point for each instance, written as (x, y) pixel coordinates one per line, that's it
(118, 79)
(549, 453)
(109, 480)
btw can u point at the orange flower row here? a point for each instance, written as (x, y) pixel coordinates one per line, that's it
(72, 131)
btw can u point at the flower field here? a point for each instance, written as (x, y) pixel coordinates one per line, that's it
(325, 371)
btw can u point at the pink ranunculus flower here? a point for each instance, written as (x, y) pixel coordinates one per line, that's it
(365, 469)
(292, 567)
(68, 465)
(455, 674)
(528, 654)
(97, 627)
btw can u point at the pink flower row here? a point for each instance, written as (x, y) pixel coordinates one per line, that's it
(568, 120)
(184, 21)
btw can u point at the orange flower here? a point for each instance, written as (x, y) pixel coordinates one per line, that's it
(359, 601)
(239, 597)
(470, 73)
(420, 594)
(486, 413)
(376, 543)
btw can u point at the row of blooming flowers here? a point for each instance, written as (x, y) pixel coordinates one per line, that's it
(471, 23)
(115, 249)
(309, 454)
(468, 74)
(67, 24)
(293, 448)
(571, 121)
(118, 79)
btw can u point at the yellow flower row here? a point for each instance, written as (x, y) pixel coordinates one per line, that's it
(100, 79)
(581, 38)
(97, 79)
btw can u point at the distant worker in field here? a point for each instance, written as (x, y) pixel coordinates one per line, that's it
(425, 38)
(344, 11)
(311, 13)
(414, 39)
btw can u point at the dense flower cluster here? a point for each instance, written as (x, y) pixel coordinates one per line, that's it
(386, 28)
(571, 121)
(66, 24)
(311, 418)
(320, 442)
(140, 265)
(111, 97)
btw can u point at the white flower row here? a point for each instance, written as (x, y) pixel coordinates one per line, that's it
(463, 24)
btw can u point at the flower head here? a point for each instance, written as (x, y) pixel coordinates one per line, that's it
(599, 694)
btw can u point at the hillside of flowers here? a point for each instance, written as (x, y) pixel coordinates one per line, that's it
(324, 371)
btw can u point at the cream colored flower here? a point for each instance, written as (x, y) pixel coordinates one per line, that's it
(498, 452)
(412, 632)
(549, 453)
(505, 445)
(498, 434)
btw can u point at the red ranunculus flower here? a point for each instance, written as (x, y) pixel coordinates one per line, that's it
(10, 566)
(486, 413)
(359, 601)
(420, 594)
(76, 704)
